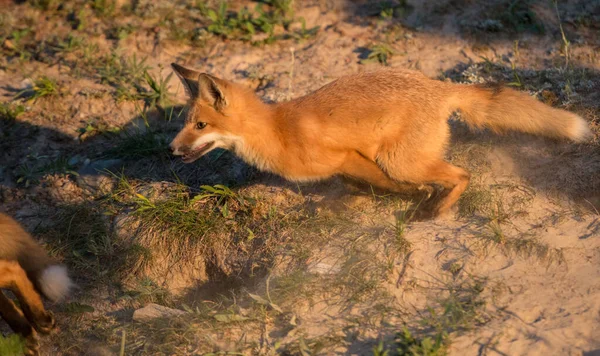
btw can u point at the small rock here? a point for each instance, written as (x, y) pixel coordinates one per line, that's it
(92, 175)
(99, 351)
(95, 183)
(26, 84)
(153, 311)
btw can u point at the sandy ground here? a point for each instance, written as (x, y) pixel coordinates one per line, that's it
(521, 255)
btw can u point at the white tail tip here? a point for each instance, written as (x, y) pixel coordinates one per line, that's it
(55, 282)
(580, 131)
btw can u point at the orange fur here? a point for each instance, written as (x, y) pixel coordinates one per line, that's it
(388, 128)
(22, 266)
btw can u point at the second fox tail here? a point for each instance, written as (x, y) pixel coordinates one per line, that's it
(48, 276)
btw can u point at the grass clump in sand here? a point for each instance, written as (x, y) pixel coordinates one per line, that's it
(458, 306)
(11, 345)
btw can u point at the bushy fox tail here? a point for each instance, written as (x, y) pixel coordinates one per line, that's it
(48, 276)
(54, 282)
(502, 109)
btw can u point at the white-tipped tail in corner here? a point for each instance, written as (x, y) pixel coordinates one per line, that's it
(55, 282)
(580, 131)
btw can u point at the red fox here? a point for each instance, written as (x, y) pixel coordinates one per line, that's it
(26, 268)
(388, 128)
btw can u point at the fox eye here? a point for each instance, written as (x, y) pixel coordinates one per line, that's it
(200, 125)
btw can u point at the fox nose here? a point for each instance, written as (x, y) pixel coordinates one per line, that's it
(173, 148)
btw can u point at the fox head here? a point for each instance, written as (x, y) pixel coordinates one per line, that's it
(218, 111)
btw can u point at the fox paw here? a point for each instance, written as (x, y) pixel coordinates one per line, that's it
(427, 190)
(32, 345)
(46, 323)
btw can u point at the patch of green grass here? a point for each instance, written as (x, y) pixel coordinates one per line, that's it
(360, 277)
(96, 127)
(69, 44)
(44, 87)
(80, 234)
(566, 45)
(474, 200)
(9, 111)
(225, 230)
(44, 5)
(28, 174)
(147, 291)
(104, 8)
(458, 306)
(246, 23)
(283, 9)
(408, 344)
(132, 79)
(496, 202)
(117, 70)
(79, 19)
(76, 308)
(177, 215)
(158, 95)
(521, 245)
(519, 16)
(17, 43)
(218, 18)
(12, 345)
(223, 196)
(243, 24)
(305, 33)
(402, 220)
(89, 60)
(388, 9)
(120, 32)
(186, 226)
(513, 64)
(358, 283)
(135, 68)
(379, 53)
(88, 235)
(403, 246)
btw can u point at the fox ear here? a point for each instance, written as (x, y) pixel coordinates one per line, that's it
(189, 78)
(210, 90)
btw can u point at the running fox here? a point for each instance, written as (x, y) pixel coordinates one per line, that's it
(388, 128)
(26, 268)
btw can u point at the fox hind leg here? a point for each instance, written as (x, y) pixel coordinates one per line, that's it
(452, 178)
(19, 324)
(361, 168)
(13, 277)
(407, 165)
